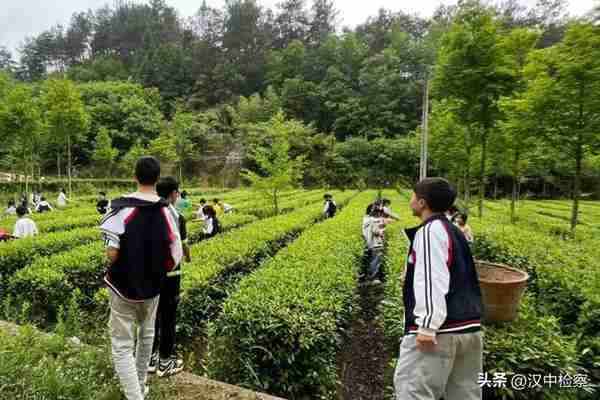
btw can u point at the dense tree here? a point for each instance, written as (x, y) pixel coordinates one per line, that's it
(65, 116)
(563, 81)
(471, 69)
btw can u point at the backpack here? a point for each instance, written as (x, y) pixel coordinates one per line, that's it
(332, 209)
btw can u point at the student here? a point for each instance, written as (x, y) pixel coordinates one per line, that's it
(330, 208)
(200, 213)
(24, 227)
(451, 213)
(217, 206)
(366, 222)
(461, 223)
(102, 204)
(441, 352)
(183, 203)
(387, 209)
(61, 201)
(212, 226)
(163, 348)
(227, 208)
(11, 209)
(43, 206)
(375, 232)
(142, 245)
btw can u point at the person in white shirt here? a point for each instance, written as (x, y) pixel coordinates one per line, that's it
(62, 200)
(43, 206)
(11, 209)
(24, 227)
(227, 208)
(387, 209)
(200, 213)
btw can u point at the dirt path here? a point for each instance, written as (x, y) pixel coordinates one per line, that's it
(363, 359)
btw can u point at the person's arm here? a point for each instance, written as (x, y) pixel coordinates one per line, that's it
(112, 228)
(112, 254)
(431, 282)
(17, 232)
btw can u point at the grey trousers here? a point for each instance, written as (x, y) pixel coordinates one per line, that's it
(124, 317)
(451, 372)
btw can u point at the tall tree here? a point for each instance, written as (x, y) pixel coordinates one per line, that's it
(276, 170)
(292, 23)
(21, 121)
(562, 92)
(471, 69)
(65, 116)
(323, 22)
(518, 127)
(104, 154)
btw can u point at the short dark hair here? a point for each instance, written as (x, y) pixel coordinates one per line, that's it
(464, 216)
(43, 198)
(103, 193)
(369, 209)
(21, 210)
(327, 196)
(453, 209)
(202, 201)
(166, 186)
(209, 210)
(147, 170)
(438, 193)
(11, 203)
(386, 202)
(215, 200)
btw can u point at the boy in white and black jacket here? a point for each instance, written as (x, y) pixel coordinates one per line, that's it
(441, 352)
(142, 245)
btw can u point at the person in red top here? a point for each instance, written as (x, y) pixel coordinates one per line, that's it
(142, 245)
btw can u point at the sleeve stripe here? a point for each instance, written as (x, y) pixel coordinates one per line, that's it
(428, 305)
(428, 278)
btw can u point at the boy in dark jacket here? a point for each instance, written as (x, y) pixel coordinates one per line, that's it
(163, 349)
(142, 245)
(441, 352)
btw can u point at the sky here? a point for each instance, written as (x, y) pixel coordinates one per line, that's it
(21, 18)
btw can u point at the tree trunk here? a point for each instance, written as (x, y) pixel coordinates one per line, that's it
(180, 175)
(69, 167)
(482, 172)
(467, 180)
(58, 163)
(515, 179)
(496, 185)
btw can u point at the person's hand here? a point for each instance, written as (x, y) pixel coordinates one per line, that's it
(426, 343)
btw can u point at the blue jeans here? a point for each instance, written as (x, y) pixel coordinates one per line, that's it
(374, 262)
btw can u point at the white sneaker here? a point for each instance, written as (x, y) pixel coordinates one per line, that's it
(153, 363)
(170, 366)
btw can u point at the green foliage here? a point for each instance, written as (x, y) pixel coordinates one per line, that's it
(277, 171)
(33, 364)
(279, 331)
(104, 154)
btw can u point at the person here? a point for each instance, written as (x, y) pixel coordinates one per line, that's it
(142, 246)
(375, 236)
(11, 209)
(183, 203)
(387, 209)
(43, 206)
(200, 213)
(330, 208)
(61, 201)
(212, 226)
(451, 213)
(366, 222)
(217, 206)
(461, 223)
(37, 197)
(441, 351)
(103, 204)
(227, 208)
(163, 360)
(24, 227)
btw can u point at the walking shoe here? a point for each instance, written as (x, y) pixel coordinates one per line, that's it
(153, 363)
(170, 366)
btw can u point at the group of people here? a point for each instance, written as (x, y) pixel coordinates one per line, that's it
(377, 217)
